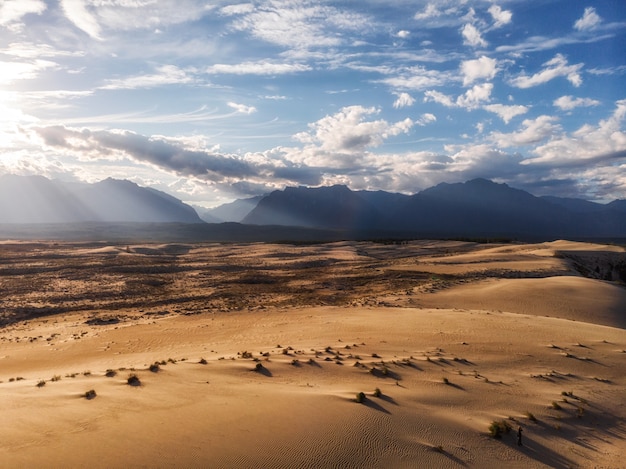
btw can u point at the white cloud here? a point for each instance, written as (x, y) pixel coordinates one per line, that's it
(404, 100)
(12, 11)
(416, 78)
(554, 68)
(505, 112)
(532, 132)
(438, 97)
(431, 11)
(301, 24)
(472, 37)
(76, 11)
(500, 16)
(14, 71)
(426, 118)
(469, 100)
(475, 96)
(242, 108)
(257, 68)
(590, 20)
(166, 75)
(348, 131)
(606, 141)
(403, 34)
(567, 103)
(238, 9)
(127, 15)
(478, 69)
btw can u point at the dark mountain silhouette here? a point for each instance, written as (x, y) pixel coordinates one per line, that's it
(335, 207)
(575, 205)
(232, 212)
(35, 199)
(477, 208)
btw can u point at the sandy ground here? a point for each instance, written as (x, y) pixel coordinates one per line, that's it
(263, 349)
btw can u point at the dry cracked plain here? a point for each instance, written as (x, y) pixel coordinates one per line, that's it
(255, 355)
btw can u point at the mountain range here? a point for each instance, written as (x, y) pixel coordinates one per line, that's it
(36, 199)
(476, 208)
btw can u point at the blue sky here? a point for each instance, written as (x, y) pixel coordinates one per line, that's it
(212, 101)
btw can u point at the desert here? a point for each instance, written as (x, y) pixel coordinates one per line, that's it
(349, 354)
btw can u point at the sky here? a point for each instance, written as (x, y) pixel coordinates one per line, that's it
(212, 101)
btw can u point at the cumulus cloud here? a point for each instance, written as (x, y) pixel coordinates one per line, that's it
(469, 100)
(242, 108)
(532, 131)
(473, 97)
(348, 131)
(403, 34)
(505, 112)
(483, 68)
(590, 20)
(567, 103)
(554, 68)
(472, 36)
(439, 97)
(603, 142)
(500, 16)
(426, 118)
(404, 100)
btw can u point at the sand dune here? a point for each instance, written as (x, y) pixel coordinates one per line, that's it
(277, 386)
(567, 297)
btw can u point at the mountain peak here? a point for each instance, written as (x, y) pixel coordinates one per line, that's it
(36, 199)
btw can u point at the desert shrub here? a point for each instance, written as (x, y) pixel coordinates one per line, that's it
(530, 416)
(155, 368)
(377, 392)
(91, 394)
(360, 397)
(41, 383)
(110, 373)
(259, 367)
(497, 428)
(133, 380)
(203, 361)
(445, 380)
(56, 378)
(555, 405)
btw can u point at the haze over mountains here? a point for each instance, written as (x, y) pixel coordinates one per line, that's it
(477, 208)
(35, 199)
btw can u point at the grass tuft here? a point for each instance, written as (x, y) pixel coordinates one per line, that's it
(497, 428)
(133, 380)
